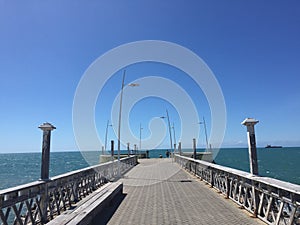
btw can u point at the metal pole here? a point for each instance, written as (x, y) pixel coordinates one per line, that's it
(170, 131)
(249, 123)
(106, 132)
(46, 128)
(119, 127)
(141, 136)
(174, 137)
(205, 133)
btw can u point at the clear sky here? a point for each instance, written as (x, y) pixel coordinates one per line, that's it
(252, 47)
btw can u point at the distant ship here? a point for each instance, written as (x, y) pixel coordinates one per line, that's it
(273, 146)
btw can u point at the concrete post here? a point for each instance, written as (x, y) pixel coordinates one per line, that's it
(194, 148)
(135, 149)
(112, 148)
(102, 150)
(112, 157)
(249, 123)
(46, 128)
(128, 148)
(179, 148)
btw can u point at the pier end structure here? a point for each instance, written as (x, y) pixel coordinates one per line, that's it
(249, 123)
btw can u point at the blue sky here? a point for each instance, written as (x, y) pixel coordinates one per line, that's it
(252, 47)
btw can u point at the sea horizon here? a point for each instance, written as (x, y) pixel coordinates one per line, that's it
(201, 148)
(21, 168)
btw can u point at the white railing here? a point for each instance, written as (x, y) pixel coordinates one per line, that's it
(271, 200)
(40, 201)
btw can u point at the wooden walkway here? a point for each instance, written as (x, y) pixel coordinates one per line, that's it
(158, 191)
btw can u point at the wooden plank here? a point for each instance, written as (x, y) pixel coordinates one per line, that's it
(89, 206)
(89, 211)
(69, 214)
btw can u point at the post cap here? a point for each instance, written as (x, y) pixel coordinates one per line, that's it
(249, 122)
(47, 126)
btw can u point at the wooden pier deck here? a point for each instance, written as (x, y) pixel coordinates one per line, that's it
(159, 191)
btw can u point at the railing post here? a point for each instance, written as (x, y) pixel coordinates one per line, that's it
(112, 157)
(194, 147)
(135, 149)
(179, 148)
(75, 191)
(255, 195)
(227, 186)
(112, 149)
(211, 177)
(128, 148)
(44, 203)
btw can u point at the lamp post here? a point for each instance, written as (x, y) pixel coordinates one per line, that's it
(174, 137)
(120, 118)
(141, 136)
(205, 130)
(107, 125)
(163, 117)
(169, 129)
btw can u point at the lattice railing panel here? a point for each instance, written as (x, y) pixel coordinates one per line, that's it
(271, 200)
(41, 201)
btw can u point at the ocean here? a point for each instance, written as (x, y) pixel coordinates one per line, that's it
(21, 168)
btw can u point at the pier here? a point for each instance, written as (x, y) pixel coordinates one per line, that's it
(158, 191)
(155, 191)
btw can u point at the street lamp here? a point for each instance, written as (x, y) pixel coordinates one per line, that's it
(174, 137)
(141, 136)
(120, 118)
(205, 131)
(163, 117)
(107, 125)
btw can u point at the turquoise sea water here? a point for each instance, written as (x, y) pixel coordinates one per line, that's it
(20, 168)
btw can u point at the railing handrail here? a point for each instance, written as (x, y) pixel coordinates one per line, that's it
(74, 172)
(21, 187)
(60, 176)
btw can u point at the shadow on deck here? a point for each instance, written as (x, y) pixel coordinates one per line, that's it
(107, 213)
